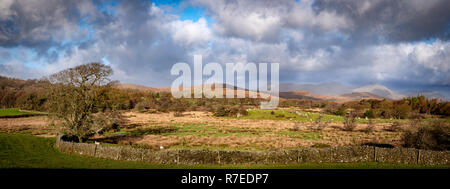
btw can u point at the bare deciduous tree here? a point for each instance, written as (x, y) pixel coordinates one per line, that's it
(75, 94)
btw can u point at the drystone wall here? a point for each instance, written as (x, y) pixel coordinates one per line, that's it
(301, 155)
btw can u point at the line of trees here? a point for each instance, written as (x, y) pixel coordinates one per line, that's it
(411, 107)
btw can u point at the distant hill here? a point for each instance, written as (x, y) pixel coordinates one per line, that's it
(294, 94)
(141, 87)
(225, 88)
(333, 88)
(301, 95)
(13, 83)
(305, 95)
(379, 90)
(361, 95)
(339, 91)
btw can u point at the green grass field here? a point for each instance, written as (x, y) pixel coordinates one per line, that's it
(25, 151)
(11, 112)
(15, 112)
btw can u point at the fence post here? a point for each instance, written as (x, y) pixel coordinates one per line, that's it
(118, 154)
(375, 153)
(178, 156)
(95, 149)
(218, 156)
(418, 155)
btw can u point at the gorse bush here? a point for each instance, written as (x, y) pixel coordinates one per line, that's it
(433, 135)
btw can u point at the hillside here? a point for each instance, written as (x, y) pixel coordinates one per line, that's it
(295, 94)
(379, 90)
(141, 87)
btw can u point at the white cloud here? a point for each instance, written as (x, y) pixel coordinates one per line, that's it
(265, 20)
(191, 33)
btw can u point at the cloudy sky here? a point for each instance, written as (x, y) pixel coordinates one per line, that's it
(402, 44)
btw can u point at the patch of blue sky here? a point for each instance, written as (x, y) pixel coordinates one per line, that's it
(429, 41)
(185, 11)
(194, 13)
(107, 6)
(106, 61)
(167, 2)
(155, 43)
(27, 56)
(6, 54)
(85, 25)
(12, 54)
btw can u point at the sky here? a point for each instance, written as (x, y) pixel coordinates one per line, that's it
(402, 44)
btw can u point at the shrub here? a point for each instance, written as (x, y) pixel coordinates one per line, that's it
(142, 106)
(178, 108)
(233, 111)
(331, 107)
(370, 113)
(401, 111)
(340, 111)
(220, 111)
(430, 136)
(243, 111)
(320, 125)
(236, 111)
(318, 119)
(210, 108)
(370, 127)
(349, 122)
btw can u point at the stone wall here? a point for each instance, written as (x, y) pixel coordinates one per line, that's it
(302, 155)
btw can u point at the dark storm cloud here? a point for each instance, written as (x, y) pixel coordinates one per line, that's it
(139, 44)
(43, 24)
(392, 21)
(33, 24)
